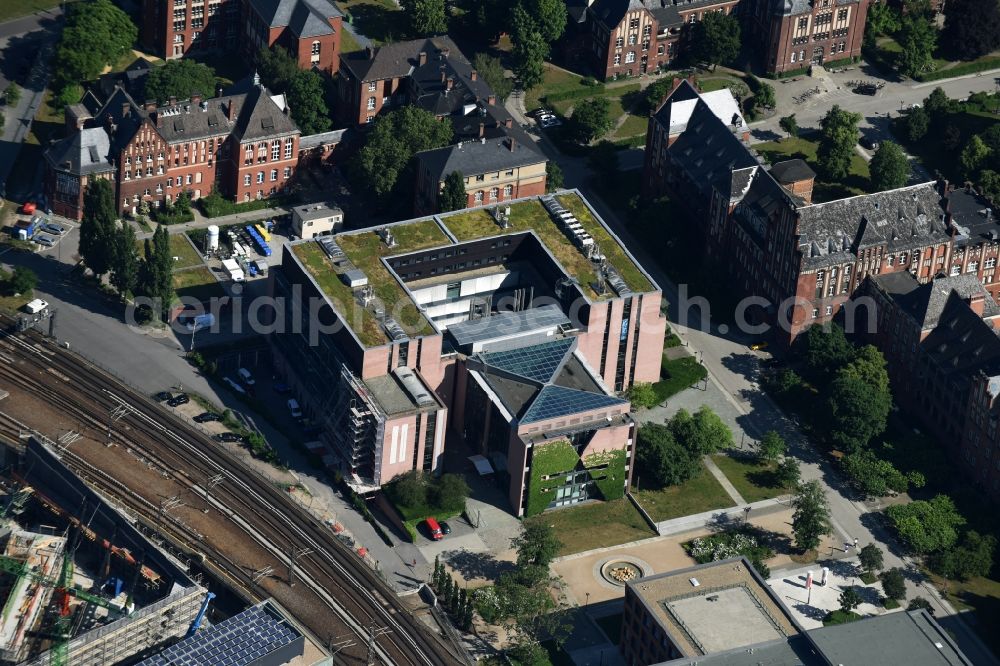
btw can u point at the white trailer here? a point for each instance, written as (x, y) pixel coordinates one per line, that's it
(234, 270)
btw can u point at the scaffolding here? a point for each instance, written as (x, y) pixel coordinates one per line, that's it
(358, 439)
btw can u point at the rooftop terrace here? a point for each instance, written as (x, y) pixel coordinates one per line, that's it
(365, 249)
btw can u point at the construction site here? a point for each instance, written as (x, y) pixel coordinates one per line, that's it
(78, 582)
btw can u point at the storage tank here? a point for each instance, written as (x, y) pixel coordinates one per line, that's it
(213, 238)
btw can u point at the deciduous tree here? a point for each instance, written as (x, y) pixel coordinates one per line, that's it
(661, 459)
(971, 28)
(919, 603)
(537, 545)
(917, 38)
(893, 584)
(859, 400)
(124, 263)
(591, 119)
(926, 526)
(276, 68)
(974, 155)
(306, 103)
(849, 599)
(882, 20)
(889, 167)
(12, 93)
(22, 280)
(96, 34)
(392, 142)
(764, 97)
(772, 446)
(971, 558)
(529, 54)
(788, 473)
(789, 124)
(492, 72)
(839, 134)
(916, 124)
(553, 177)
(871, 558)
(716, 38)
(811, 520)
(179, 78)
(450, 492)
(827, 349)
(453, 195)
(97, 226)
(549, 16)
(427, 17)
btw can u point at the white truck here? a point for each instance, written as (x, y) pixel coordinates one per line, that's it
(234, 270)
(36, 306)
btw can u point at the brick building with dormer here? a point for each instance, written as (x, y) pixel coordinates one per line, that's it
(244, 144)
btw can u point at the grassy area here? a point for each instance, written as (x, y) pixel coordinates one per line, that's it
(671, 340)
(554, 81)
(532, 215)
(364, 250)
(197, 283)
(11, 9)
(979, 595)
(181, 248)
(754, 482)
(678, 375)
(619, 520)
(633, 126)
(788, 148)
(700, 493)
(840, 617)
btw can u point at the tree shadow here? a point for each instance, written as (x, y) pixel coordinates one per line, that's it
(476, 565)
(842, 568)
(765, 135)
(810, 612)
(746, 365)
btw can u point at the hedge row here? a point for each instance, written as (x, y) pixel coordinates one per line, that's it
(789, 73)
(843, 62)
(960, 70)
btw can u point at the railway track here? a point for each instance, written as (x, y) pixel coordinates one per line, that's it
(360, 604)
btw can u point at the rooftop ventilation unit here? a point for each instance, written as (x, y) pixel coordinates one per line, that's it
(414, 386)
(385, 233)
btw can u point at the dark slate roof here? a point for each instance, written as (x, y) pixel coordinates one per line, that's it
(973, 218)
(791, 171)
(926, 303)
(85, 152)
(260, 117)
(399, 59)
(577, 10)
(901, 219)
(429, 85)
(305, 18)
(794, 7)
(476, 157)
(187, 122)
(611, 12)
(668, 12)
(122, 117)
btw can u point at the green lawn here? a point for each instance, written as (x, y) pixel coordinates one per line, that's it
(181, 248)
(555, 80)
(700, 493)
(969, 120)
(619, 521)
(981, 596)
(379, 20)
(11, 9)
(753, 481)
(633, 126)
(788, 148)
(679, 374)
(197, 283)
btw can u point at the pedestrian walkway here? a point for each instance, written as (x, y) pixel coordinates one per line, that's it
(201, 222)
(723, 481)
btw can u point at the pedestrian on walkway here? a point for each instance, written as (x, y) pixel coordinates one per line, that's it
(855, 543)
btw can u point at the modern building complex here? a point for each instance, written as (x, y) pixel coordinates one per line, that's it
(724, 614)
(514, 326)
(762, 228)
(943, 355)
(494, 171)
(634, 37)
(308, 29)
(244, 144)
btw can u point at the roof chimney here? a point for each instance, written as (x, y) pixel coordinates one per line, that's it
(150, 105)
(370, 52)
(422, 58)
(511, 143)
(449, 82)
(482, 129)
(126, 107)
(231, 111)
(473, 75)
(508, 122)
(172, 100)
(196, 98)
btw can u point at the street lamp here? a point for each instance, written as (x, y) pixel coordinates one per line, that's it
(587, 602)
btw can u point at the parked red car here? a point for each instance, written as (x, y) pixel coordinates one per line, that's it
(434, 529)
(28, 208)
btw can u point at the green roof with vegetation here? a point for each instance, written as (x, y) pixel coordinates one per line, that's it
(365, 249)
(478, 223)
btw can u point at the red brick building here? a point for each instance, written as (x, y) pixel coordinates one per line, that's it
(308, 29)
(429, 73)
(794, 34)
(244, 144)
(762, 229)
(943, 356)
(634, 37)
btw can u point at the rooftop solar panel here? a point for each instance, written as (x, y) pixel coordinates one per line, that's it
(537, 363)
(505, 324)
(555, 401)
